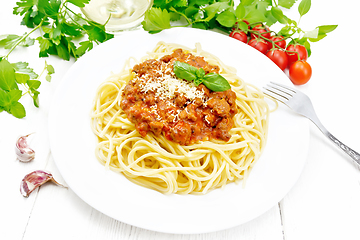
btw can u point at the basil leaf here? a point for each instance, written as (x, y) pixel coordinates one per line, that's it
(21, 78)
(185, 71)
(33, 84)
(327, 28)
(216, 82)
(18, 110)
(304, 7)
(7, 76)
(226, 18)
(279, 15)
(240, 11)
(200, 73)
(286, 3)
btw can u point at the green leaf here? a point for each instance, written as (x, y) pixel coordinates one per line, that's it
(156, 20)
(50, 69)
(71, 29)
(242, 26)
(35, 98)
(4, 100)
(304, 7)
(14, 95)
(44, 44)
(23, 6)
(97, 32)
(200, 25)
(23, 67)
(49, 7)
(18, 110)
(48, 78)
(200, 73)
(327, 28)
(240, 12)
(198, 2)
(179, 3)
(79, 3)
(312, 34)
(279, 15)
(12, 39)
(286, 3)
(216, 82)
(21, 78)
(226, 18)
(33, 84)
(318, 38)
(247, 2)
(191, 11)
(7, 76)
(185, 71)
(62, 51)
(212, 9)
(255, 16)
(84, 46)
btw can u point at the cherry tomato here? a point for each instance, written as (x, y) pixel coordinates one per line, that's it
(264, 31)
(278, 57)
(300, 72)
(279, 41)
(258, 44)
(239, 35)
(293, 57)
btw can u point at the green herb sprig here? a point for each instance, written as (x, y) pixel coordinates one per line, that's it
(212, 81)
(59, 29)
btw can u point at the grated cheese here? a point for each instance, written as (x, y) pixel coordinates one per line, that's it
(166, 84)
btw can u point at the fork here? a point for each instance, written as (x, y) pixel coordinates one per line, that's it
(301, 104)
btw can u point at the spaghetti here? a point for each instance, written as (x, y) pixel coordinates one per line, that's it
(153, 161)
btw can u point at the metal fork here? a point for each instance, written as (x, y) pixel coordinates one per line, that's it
(301, 103)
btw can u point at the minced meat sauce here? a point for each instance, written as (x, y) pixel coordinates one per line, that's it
(158, 102)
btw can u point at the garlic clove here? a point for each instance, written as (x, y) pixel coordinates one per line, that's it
(23, 152)
(34, 180)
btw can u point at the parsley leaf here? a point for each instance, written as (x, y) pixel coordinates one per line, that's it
(12, 40)
(23, 67)
(156, 20)
(79, 3)
(59, 29)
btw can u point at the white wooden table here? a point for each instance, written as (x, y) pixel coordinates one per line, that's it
(324, 203)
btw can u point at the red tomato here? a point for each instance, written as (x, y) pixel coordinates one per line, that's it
(278, 57)
(300, 51)
(239, 35)
(278, 40)
(300, 72)
(258, 44)
(264, 31)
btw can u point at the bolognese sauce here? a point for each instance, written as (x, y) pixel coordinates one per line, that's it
(156, 101)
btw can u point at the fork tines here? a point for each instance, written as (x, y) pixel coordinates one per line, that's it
(279, 92)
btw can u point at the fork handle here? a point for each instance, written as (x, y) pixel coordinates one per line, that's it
(353, 154)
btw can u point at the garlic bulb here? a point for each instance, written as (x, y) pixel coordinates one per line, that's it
(34, 180)
(23, 152)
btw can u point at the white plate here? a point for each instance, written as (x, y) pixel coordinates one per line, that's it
(73, 143)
